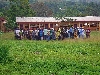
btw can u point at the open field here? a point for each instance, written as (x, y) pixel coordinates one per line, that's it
(67, 57)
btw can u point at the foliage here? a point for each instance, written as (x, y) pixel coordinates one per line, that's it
(4, 54)
(1, 14)
(73, 9)
(41, 9)
(17, 8)
(68, 57)
(3, 4)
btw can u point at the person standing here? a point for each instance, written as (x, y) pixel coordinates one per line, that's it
(36, 34)
(48, 35)
(82, 32)
(45, 33)
(17, 33)
(71, 30)
(67, 31)
(75, 33)
(58, 34)
(41, 34)
(63, 33)
(78, 32)
(33, 34)
(88, 33)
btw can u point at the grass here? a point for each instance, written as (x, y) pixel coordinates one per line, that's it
(67, 57)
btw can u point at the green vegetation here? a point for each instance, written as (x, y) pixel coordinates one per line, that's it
(68, 57)
(15, 8)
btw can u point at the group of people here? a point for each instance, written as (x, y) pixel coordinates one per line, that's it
(51, 33)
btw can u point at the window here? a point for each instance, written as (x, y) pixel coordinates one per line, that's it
(26, 26)
(51, 25)
(21, 26)
(80, 25)
(75, 25)
(46, 26)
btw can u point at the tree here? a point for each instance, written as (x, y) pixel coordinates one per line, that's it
(18, 8)
(42, 10)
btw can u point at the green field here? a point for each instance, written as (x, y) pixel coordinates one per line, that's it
(67, 57)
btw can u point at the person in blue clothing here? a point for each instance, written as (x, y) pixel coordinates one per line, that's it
(71, 31)
(82, 32)
(41, 34)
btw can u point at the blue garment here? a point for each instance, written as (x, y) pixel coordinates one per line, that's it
(48, 37)
(71, 30)
(81, 31)
(45, 37)
(41, 33)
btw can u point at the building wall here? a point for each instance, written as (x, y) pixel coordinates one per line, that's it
(92, 25)
(60, 24)
(37, 25)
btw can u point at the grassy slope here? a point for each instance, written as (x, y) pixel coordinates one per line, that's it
(68, 57)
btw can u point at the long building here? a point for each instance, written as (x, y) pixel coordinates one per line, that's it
(91, 22)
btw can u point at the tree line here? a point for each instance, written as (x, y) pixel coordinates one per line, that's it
(10, 9)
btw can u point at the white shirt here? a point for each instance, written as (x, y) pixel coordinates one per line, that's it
(45, 31)
(17, 32)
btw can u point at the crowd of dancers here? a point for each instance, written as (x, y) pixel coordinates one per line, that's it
(52, 34)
